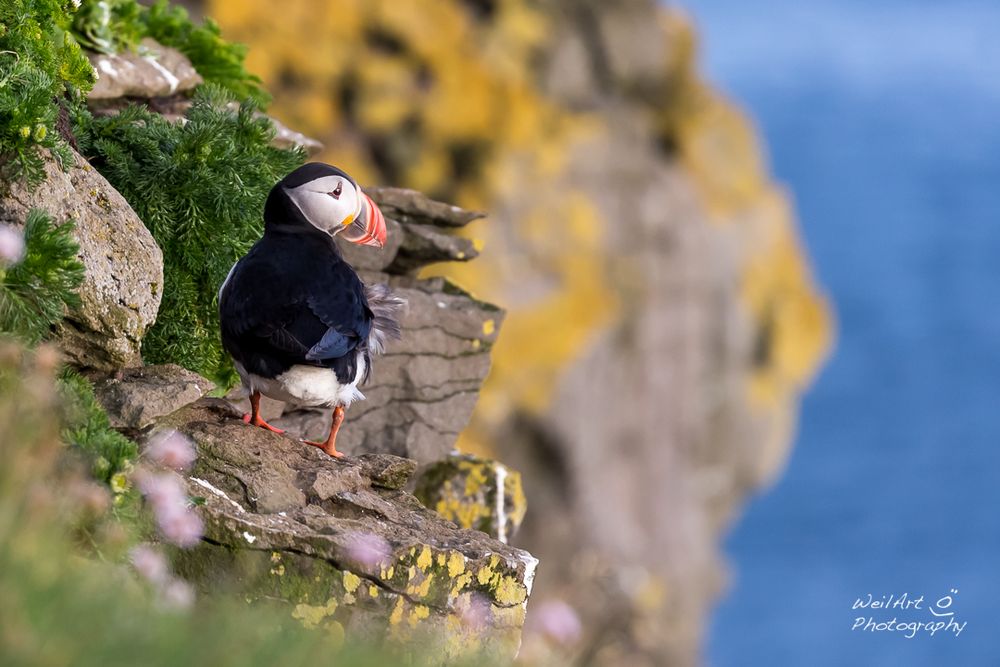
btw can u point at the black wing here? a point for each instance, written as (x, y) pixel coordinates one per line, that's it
(294, 301)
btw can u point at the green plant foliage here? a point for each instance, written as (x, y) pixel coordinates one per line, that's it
(200, 188)
(109, 26)
(35, 292)
(57, 608)
(41, 67)
(217, 60)
(86, 425)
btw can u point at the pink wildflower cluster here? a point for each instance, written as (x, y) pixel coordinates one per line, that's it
(151, 564)
(171, 449)
(477, 614)
(165, 491)
(178, 523)
(369, 550)
(11, 245)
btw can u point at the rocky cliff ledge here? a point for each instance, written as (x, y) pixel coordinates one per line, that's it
(341, 543)
(338, 543)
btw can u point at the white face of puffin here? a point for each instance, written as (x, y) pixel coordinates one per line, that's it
(334, 205)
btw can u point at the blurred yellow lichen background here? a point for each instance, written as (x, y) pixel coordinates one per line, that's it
(443, 96)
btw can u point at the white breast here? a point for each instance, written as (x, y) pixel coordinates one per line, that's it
(307, 386)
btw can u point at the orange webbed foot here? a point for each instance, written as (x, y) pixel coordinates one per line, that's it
(247, 419)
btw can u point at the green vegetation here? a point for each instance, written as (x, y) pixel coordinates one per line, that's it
(218, 61)
(57, 608)
(35, 292)
(200, 188)
(110, 26)
(41, 69)
(86, 425)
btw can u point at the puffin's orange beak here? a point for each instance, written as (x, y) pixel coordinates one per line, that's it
(374, 225)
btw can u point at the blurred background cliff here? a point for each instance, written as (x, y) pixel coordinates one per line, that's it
(663, 320)
(882, 119)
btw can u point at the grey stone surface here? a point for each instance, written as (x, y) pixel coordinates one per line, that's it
(124, 266)
(286, 137)
(340, 543)
(135, 398)
(152, 70)
(410, 206)
(425, 244)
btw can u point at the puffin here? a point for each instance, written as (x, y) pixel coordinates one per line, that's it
(299, 323)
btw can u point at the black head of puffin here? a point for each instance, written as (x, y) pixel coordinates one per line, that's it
(330, 200)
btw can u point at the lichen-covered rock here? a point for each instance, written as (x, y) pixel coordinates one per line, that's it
(152, 70)
(341, 546)
(135, 398)
(475, 493)
(124, 267)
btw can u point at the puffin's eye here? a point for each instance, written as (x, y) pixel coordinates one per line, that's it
(336, 193)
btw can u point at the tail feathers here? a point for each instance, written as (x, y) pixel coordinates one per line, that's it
(386, 307)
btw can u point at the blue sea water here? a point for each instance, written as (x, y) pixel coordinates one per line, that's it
(883, 119)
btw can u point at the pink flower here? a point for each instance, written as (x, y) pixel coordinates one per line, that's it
(150, 563)
(178, 523)
(171, 450)
(557, 621)
(162, 489)
(369, 550)
(11, 245)
(181, 527)
(478, 614)
(177, 594)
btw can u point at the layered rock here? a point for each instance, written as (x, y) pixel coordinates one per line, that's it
(124, 267)
(135, 398)
(340, 545)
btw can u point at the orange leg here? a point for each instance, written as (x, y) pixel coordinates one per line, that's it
(254, 417)
(330, 445)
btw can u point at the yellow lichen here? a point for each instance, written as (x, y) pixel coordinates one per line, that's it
(460, 584)
(422, 589)
(456, 564)
(351, 582)
(397, 612)
(425, 559)
(417, 614)
(312, 615)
